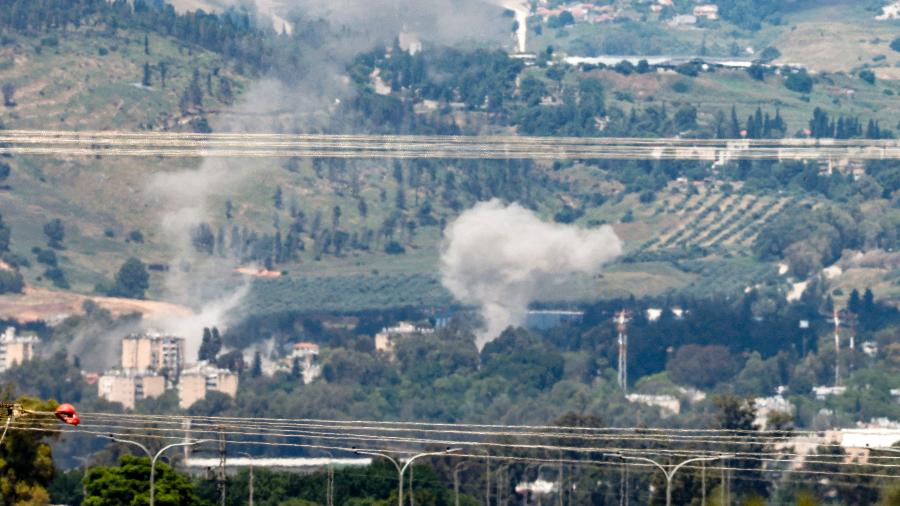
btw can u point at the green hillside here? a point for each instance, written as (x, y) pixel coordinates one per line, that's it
(363, 233)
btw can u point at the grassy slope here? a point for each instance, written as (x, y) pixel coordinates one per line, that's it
(72, 87)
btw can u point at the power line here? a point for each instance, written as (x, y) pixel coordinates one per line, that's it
(451, 455)
(171, 144)
(753, 456)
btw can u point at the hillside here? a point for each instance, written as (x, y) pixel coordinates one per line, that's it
(832, 36)
(373, 229)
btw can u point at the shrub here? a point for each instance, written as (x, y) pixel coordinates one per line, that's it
(867, 76)
(394, 248)
(801, 82)
(895, 44)
(11, 282)
(57, 276)
(680, 87)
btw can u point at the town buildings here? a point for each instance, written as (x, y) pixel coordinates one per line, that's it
(153, 363)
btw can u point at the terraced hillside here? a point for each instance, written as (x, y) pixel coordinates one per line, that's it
(713, 220)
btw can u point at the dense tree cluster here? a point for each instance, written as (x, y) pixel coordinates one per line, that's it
(127, 483)
(232, 33)
(26, 460)
(750, 14)
(809, 240)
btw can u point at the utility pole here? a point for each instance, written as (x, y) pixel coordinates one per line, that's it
(622, 328)
(220, 474)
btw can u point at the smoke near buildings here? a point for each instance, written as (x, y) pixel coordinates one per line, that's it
(499, 256)
(332, 33)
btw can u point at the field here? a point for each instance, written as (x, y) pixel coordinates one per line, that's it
(679, 242)
(51, 305)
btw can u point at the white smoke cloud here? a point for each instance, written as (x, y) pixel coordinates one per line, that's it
(499, 256)
(334, 32)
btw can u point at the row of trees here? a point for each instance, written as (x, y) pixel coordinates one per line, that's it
(822, 125)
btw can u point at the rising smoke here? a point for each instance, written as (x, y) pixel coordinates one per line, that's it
(498, 257)
(333, 32)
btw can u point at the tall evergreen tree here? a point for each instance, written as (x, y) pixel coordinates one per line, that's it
(735, 128)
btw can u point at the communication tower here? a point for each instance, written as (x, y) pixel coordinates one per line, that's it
(622, 318)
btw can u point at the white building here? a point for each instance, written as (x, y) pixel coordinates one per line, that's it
(386, 339)
(708, 11)
(127, 387)
(15, 349)
(823, 392)
(153, 351)
(202, 378)
(766, 406)
(668, 404)
(308, 356)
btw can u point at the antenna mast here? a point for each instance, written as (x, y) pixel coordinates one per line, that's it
(622, 327)
(837, 348)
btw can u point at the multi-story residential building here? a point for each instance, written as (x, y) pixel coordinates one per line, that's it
(15, 349)
(127, 387)
(195, 382)
(153, 351)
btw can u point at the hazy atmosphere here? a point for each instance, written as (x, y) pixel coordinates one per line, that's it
(495, 252)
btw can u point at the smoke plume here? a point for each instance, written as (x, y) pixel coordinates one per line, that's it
(332, 33)
(499, 256)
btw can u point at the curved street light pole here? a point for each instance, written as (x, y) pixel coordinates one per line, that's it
(329, 486)
(456, 470)
(154, 458)
(250, 480)
(668, 471)
(402, 469)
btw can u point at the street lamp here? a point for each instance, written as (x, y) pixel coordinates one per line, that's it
(456, 470)
(153, 458)
(250, 481)
(401, 470)
(502, 480)
(329, 487)
(668, 471)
